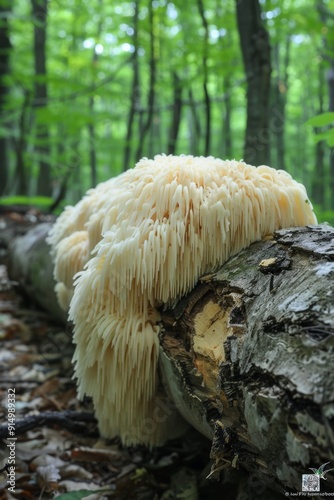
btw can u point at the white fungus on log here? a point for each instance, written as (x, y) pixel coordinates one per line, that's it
(140, 241)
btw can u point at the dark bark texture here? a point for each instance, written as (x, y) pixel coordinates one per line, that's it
(254, 40)
(247, 357)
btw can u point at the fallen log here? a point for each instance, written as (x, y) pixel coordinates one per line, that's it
(30, 264)
(247, 356)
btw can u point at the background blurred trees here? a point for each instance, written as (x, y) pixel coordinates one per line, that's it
(88, 86)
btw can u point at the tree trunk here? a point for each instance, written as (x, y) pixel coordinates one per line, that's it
(227, 129)
(146, 124)
(326, 15)
(39, 11)
(91, 103)
(330, 81)
(280, 96)
(5, 47)
(247, 357)
(31, 266)
(318, 186)
(21, 181)
(92, 150)
(255, 49)
(193, 124)
(135, 91)
(205, 79)
(176, 119)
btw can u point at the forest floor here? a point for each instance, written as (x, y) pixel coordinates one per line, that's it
(57, 451)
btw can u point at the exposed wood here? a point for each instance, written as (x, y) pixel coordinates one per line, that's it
(247, 357)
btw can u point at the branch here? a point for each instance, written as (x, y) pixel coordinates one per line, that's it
(70, 420)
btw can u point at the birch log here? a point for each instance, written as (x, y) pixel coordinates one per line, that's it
(248, 358)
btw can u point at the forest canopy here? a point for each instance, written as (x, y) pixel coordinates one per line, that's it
(89, 87)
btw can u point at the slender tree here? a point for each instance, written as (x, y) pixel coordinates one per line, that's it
(5, 46)
(194, 124)
(176, 117)
(146, 123)
(318, 174)
(39, 12)
(135, 89)
(20, 178)
(91, 105)
(330, 83)
(280, 87)
(327, 18)
(254, 40)
(227, 119)
(207, 100)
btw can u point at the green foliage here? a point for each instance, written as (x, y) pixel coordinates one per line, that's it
(324, 215)
(324, 120)
(90, 46)
(41, 202)
(77, 495)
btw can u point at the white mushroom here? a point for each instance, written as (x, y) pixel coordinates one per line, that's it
(165, 223)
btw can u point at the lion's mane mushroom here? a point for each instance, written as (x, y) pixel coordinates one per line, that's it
(144, 239)
(76, 233)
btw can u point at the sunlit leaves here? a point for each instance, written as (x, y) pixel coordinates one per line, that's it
(322, 120)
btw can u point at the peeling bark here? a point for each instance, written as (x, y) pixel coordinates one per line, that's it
(247, 357)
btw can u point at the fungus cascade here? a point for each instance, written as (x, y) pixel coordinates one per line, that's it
(141, 240)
